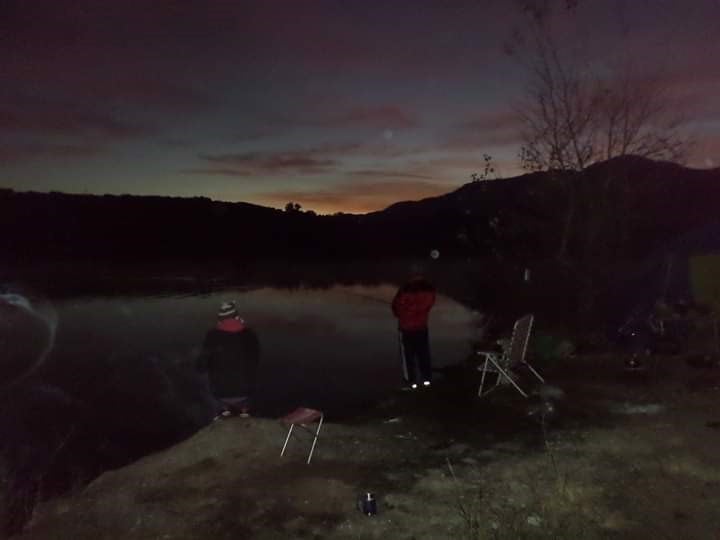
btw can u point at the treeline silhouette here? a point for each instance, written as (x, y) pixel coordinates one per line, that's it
(629, 206)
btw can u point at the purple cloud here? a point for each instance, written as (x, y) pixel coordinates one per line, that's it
(388, 174)
(380, 117)
(315, 160)
(269, 163)
(42, 117)
(14, 153)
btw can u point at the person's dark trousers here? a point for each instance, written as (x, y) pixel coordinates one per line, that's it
(242, 401)
(416, 355)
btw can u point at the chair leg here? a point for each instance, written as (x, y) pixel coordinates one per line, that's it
(482, 379)
(498, 379)
(317, 434)
(532, 369)
(287, 439)
(503, 373)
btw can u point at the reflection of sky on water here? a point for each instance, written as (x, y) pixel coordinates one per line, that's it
(319, 346)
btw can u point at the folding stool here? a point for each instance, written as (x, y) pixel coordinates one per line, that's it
(301, 417)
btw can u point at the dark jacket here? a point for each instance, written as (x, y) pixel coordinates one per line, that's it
(230, 357)
(412, 304)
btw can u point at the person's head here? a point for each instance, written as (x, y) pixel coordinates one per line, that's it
(228, 310)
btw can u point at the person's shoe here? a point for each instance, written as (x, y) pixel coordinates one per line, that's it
(244, 413)
(226, 413)
(633, 364)
(426, 384)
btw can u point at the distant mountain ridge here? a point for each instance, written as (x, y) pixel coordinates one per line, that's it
(631, 202)
(659, 200)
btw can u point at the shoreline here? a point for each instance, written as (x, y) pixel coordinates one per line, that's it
(595, 471)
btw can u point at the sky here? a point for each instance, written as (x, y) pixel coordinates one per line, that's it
(337, 105)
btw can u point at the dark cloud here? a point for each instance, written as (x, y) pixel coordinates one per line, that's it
(314, 160)
(218, 171)
(14, 153)
(34, 128)
(333, 112)
(102, 53)
(492, 120)
(268, 163)
(150, 92)
(481, 130)
(388, 174)
(478, 140)
(705, 153)
(61, 119)
(379, 117)
(692, 87)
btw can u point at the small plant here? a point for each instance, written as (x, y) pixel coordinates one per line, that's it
(469, 510)
(544, 508)
(488, 170)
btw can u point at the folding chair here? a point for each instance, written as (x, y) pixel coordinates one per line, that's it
(512, 356)
(301, 417)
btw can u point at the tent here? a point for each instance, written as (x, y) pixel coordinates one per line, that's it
(679, 283)
(693, 267)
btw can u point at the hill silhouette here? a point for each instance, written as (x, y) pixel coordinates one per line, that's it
(652, 201)
(631, 204)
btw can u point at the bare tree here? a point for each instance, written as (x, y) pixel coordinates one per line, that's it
(574, 116)
(572, 119)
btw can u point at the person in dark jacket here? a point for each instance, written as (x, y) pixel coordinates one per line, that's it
(411, 306)
(230, 356)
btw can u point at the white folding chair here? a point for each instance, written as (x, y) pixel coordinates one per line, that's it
(301, 417)
(511, 357)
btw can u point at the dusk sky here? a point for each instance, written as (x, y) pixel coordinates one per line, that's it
(343, 105)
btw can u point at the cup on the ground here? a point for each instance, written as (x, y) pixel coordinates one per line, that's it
(368, 504)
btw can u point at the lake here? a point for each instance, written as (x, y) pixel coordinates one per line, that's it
(334, 348)
(117, 379)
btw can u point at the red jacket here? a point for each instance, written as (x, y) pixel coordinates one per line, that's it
(412, 304)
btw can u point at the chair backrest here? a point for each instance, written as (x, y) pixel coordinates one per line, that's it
(519, 340)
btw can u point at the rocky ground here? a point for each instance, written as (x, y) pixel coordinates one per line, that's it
(622, 456)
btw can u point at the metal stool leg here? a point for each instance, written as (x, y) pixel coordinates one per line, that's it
(287, 439)
(317, 434)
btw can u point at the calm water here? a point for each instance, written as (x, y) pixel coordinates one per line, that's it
(333, 348)
(117, 379)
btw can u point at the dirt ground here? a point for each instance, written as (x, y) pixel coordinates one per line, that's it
(626, 456)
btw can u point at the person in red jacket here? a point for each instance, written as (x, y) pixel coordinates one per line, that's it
(411, 306)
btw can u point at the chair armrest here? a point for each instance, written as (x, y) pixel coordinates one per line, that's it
(495, 358)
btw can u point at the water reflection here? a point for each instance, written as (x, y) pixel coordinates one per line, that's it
(120, 382)
(334, 348)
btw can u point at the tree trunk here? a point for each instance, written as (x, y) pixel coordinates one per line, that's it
(563, 249)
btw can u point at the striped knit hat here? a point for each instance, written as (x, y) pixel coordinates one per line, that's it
(227, 310)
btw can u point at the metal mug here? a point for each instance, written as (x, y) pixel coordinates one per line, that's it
(368, 504)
